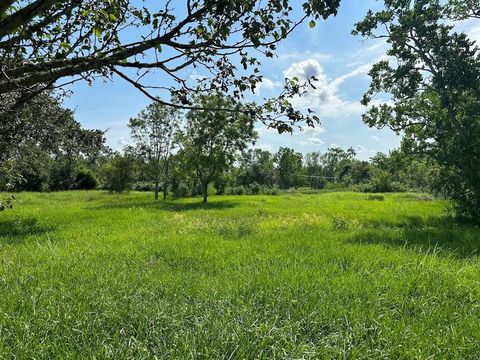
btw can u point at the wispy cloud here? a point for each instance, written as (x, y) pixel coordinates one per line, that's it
(470, 27)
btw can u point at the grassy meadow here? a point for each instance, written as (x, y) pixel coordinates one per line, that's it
(91, 275)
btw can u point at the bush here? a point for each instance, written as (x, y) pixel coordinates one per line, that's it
(270, 190)
(85, 180)
(180, 189)
(254, 188)
(119, 174)
(144, 186)
(380, 182)
(62, 175)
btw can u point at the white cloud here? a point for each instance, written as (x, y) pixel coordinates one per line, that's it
(325, 98)
(364, 152)
(266, 85)
(358, 71)
(375, 138)
(306, 69)
(313, 131)
(474, 34)
(471, 28)
(380, 45)
(264, 147)
(290, 57)
(316, 141)
(122, 141)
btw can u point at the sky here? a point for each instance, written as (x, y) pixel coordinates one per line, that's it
(338, 59)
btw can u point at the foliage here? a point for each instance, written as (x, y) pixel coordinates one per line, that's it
(85, 180)
(143, 186)
(289, 165)
(212, 139)
(47, 144)
(9, 177)
(433, 83)
(119, 173)
(257, 166)
(154, 131)
(45, 44)
(6, 202)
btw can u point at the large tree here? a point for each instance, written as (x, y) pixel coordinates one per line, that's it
(153, 132)
(213, 139)
(433, 77)
(47, 43)
(44, 131)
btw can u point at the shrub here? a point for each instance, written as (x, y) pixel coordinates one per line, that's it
(85, 180)
(270, 190)
(119, 173)
(181, 189)
(144, 186)
(254, 188)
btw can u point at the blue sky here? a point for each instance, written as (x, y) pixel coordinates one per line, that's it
(340, 61)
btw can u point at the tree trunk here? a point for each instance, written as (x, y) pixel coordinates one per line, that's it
(156, 189)
(205, 192)
(165, 192)
(165, 184)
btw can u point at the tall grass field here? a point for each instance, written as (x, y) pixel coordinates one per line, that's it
(91, 275)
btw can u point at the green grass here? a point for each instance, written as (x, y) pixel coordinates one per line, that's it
(340, 275)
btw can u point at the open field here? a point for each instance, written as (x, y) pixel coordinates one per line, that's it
(94, 275)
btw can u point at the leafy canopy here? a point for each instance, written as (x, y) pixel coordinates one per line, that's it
(47, 43)
(433, 76)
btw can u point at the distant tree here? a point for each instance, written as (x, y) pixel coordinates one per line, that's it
(400, 170)
(314, 170)
(213, 139)
(289, 167)
(45, 142)
(360, 171)
(433, 82)
(337, 163)
(119, 173)
(257, 166)
(153, 132)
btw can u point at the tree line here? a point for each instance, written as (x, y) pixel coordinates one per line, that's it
(194, 153)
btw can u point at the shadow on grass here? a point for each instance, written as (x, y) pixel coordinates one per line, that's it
(170, 205)
(16, 231)
(443, 235)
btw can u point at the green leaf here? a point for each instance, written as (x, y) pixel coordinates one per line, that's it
(97, 31)
(312, 24)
